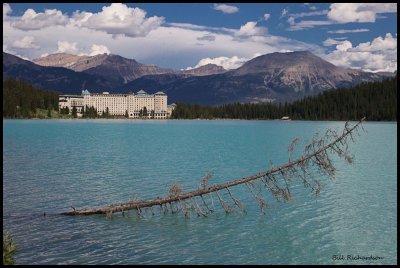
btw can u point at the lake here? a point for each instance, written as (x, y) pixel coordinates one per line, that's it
(51, 165)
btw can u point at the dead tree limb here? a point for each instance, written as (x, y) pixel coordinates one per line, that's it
(315, 155)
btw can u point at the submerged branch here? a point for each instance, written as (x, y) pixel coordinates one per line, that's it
(315, 154)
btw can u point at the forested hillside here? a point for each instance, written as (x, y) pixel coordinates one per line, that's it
(20, 99)
(375, 100)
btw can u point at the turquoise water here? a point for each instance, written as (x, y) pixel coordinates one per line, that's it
(51, 165)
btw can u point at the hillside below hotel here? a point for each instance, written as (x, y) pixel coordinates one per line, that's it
(139, 105)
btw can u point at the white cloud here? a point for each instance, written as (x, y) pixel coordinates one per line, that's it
(227, 62)
(119, 19)
(341, 13)
(98, 49)
(330, 42)
(267, 16)
(359, 12)
(344, 46)
(5, 49)
(342, 31)
(251, 29)
(67, 47)
(307, 14)
(199, 27)
(206, 37)
(25, 43)
(226, 8)
(6, 10)
(378, 44)
(306, 24)
(171, 45)
(31, 20)
(284, 12)
(375, 56)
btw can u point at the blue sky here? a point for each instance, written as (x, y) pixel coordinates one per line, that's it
(181, 36)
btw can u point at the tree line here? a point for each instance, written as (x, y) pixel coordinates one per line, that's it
(20, 99)
(375, 100)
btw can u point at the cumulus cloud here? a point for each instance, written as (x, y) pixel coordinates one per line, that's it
(67, 47)
(250, 29)
(171, 45)
(340, 13)
(330, 42)
(5, 49)
(227, 63)
(359, 12)
(98, 49)
(378, 44)
(31, 20)
(119, 19)
(6, 10)
(378, 55)
(344, 45)
(25, 43)
(267, 16)
(226, 8)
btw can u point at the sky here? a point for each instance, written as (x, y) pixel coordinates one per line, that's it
(189, 35)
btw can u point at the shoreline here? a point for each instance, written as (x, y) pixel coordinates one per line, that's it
(197, 119)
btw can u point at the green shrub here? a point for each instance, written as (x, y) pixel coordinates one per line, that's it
(8, 249)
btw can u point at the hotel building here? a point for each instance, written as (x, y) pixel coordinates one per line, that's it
(120, 104)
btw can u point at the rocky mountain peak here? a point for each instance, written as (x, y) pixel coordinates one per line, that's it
(207, 69)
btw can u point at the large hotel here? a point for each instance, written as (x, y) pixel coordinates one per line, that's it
(120, 104)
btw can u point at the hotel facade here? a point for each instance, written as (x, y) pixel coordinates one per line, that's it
(120, 104)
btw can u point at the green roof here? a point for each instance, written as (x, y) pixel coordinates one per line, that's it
(142, 92)
(85, 92)
(67, 95)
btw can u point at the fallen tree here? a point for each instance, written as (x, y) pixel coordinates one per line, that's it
(314, 159)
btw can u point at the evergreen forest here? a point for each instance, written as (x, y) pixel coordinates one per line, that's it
(375, 100)
(22, 100)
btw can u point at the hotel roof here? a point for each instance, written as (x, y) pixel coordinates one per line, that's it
(142, 92)
(85, 92)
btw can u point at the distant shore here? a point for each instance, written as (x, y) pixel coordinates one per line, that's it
(199, 119)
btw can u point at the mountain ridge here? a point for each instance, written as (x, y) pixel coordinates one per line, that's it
(270, 77)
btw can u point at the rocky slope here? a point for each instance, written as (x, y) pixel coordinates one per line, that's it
(56, 78)
(207, 69)
(117, 68)
(271, 77)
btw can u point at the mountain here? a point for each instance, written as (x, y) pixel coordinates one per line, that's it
(387, 74)
(63, 60)
(117, 68)
(55, 78)
(300, 71)
(207, 69)
(271, 77)
(275, 77)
